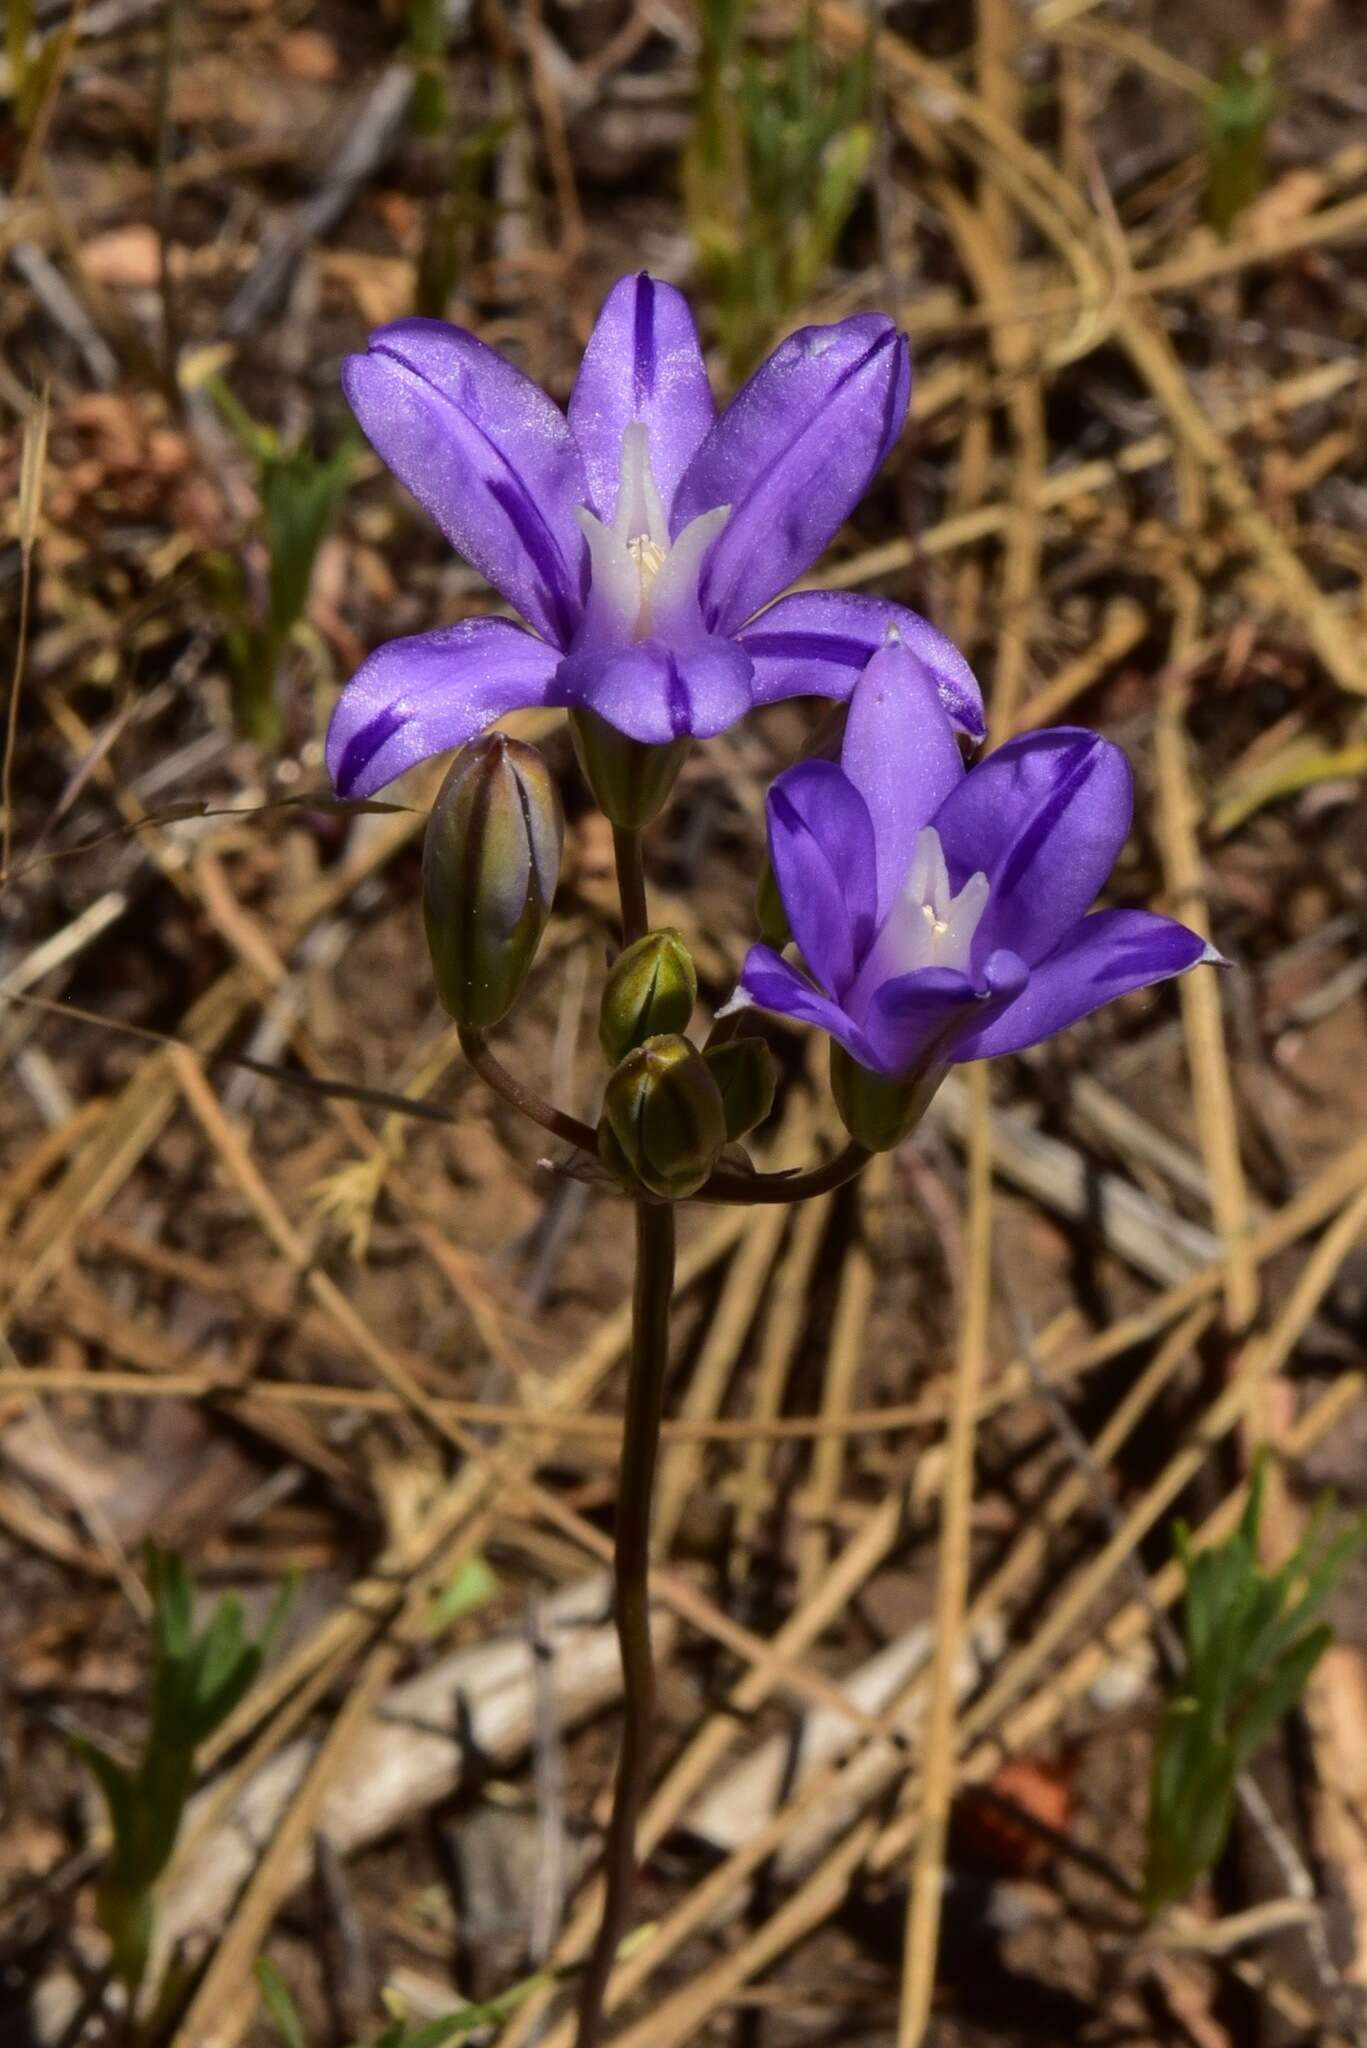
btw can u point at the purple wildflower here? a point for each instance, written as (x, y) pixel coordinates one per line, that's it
(638, 538)
(942, 911)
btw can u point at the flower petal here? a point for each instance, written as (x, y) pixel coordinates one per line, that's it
(770, 983)
(920, 1018)
(657, 693)
(822, 848)
(1044, 817)
(817, 643)
(792, 455)
(419, 696)
(1104, 956)
(642, 362)
(485, 453)
(901, 755)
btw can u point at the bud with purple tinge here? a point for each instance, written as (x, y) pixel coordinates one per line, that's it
(490, 867)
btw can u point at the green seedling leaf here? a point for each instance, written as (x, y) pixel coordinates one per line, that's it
(779, 154)
(113, 1780)
(197, 1679)
(279, 2004)
(300, 497)
(1238, 115)
(1252, 1640)
(467, 1590)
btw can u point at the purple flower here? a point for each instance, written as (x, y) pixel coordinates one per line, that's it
(942, 912)
(638, 538)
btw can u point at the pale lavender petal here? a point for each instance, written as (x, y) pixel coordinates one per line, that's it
(822, 849)
(770, 983)
(901, 755)
(1044, 818)
(417, 697)
(657, 693)
(817, 643)
(486, 454)
(919, 1018)
(1104, 956)
(643, 362)
(792, 455)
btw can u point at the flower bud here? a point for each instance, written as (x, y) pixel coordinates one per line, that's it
(746, 1076)
(663, 1122)
(651, 990)
(489, 870)
(877, 1110)
(630, 781)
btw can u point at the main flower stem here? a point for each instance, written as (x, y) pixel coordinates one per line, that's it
(631, 883)
(654, 1285)
(631, 1569)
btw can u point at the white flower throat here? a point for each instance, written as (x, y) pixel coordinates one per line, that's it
(642, 583)
(928, 925)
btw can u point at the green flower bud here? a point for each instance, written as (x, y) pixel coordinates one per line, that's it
(774, 927)
(489, 870)
(745, 1072)
(630, 781)
(879, 1112)
(651, 990)
(663, 1122)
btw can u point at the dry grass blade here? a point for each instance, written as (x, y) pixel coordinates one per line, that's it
(951, 1581)
(32, 469)
(1212, 1088)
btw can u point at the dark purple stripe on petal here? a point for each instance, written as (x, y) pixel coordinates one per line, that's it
(1109, 954)
(486, 453)
(361, 749)
(541, 550)
(416, 697)
(816, 643)
(678, 700)
(643, 354)
(1045, 821)
(642, 363)
(1043, 818)
(762, 646)
(791, 456)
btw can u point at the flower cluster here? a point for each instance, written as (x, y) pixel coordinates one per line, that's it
(939, 913)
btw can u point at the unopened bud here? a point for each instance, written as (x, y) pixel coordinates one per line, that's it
(651, 990)
(663, 1122)
(489, 871)
(877, 1110)
(746, 1076)
(630, 781)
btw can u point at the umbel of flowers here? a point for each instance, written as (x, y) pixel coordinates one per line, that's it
(931, 912)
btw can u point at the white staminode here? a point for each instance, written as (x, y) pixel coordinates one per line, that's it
(928, 925)
(647, 583)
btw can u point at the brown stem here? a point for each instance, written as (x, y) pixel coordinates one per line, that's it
(786, 1187)
(496, 1076)
(631, 1568)
(631, 883)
